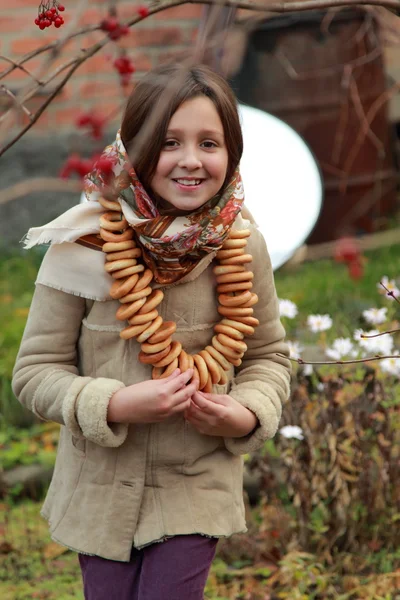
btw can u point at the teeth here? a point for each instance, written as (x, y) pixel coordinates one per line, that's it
(189, 181)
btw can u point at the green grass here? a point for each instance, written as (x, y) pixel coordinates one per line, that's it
(325, 287)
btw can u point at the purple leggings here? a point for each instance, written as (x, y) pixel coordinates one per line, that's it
(175, 569)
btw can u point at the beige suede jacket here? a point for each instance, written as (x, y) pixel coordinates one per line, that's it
(116, 485)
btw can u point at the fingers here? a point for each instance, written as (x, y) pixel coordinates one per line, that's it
(182, 398)
(206, 404)
(176, 380)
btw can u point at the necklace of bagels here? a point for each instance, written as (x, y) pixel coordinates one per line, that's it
(139, 304)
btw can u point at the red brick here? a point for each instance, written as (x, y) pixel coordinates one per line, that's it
(24, 44)
(161, 36)
(179, 13)
(67, 116)
(99, 63)
(99, 89)
(16, 24)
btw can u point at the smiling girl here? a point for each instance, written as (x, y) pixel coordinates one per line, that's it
(154, 339)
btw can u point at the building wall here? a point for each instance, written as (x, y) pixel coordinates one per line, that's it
(96, 82)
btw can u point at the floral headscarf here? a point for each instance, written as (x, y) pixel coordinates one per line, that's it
(172, 245)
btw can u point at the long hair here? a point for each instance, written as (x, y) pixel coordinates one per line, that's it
(158, 95)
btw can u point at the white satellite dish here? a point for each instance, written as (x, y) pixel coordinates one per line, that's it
(282, 182)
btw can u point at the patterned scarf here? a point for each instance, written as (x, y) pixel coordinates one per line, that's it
(172, 245)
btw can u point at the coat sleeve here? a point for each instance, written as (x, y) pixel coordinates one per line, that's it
(46, 378)
(262, 382)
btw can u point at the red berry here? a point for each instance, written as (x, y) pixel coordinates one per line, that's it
(53, 10)
(61, 7)
(74, 160)
(57, 22)
(143, 11)
(42, 25)
(49, 14)
(37, 21)
(112, 24)
(124, 30)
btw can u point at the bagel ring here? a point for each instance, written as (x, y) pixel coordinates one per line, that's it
(118, 246)
(132, 331)
(224, 376)
(212, 366)
(112, 221)
(166, 329)
(234, 243)
(234, 301)
(128, 271)
(249, 320)
(148, 359)
(191, 361)
(139, 319)
(110, 204)
(219, 357)
(152, 301)
(117, 265)
(241, 286)
(130, 253)
(230, 277)
(236, 345)
(152, 328)
(170, 368)
(253, 300)
(154, 348)
(202, 369)
(233, 253)
(126, 311)
(136, 295)
(237, 260)
(121, 288)
(108, 236)
(145, 279)
(195, 373)
(245, 329)
(225, 350)
(225, 269)
(173, 354)
(239, 233)
(235, 311)
(156, 372)
(207, 389)
(228, 330)
(183, 360)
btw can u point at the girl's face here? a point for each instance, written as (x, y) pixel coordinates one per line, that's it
(193, 162)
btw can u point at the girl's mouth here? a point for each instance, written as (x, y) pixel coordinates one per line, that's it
(188, 184)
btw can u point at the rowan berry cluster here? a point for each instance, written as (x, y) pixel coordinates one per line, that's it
(125, 68)
(82, 166)
(347, 251)
(50, 15)
(114, 29)
(93, 122)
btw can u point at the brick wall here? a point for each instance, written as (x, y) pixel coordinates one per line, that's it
(95, 83)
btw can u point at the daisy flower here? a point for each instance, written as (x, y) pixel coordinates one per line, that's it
(288, 309)
(375, 316)
(319, 322)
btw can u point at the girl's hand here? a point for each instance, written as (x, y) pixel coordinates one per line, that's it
(220, 414)
(153, 400)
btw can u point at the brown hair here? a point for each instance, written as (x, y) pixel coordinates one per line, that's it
(163, 90)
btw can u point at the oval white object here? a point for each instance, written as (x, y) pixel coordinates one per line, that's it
(282, 182)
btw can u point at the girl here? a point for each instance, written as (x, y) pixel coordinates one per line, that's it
(154, 340)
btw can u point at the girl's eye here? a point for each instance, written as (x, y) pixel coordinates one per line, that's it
(209, 144)
(170, 143)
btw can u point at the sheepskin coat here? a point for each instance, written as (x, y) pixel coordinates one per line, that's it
(117, 485)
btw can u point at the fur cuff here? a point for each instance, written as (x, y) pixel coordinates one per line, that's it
(91, 413)
(268, 413)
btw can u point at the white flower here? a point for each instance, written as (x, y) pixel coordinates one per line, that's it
(390, 284)
(308, 370)
(391, 365)
(375, 316)
(292, 431)
(288, 309)
(295, 349)
(374, 343)
(341, 347)
(319, 322)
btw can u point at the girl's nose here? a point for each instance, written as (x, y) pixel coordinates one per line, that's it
(190, 160)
